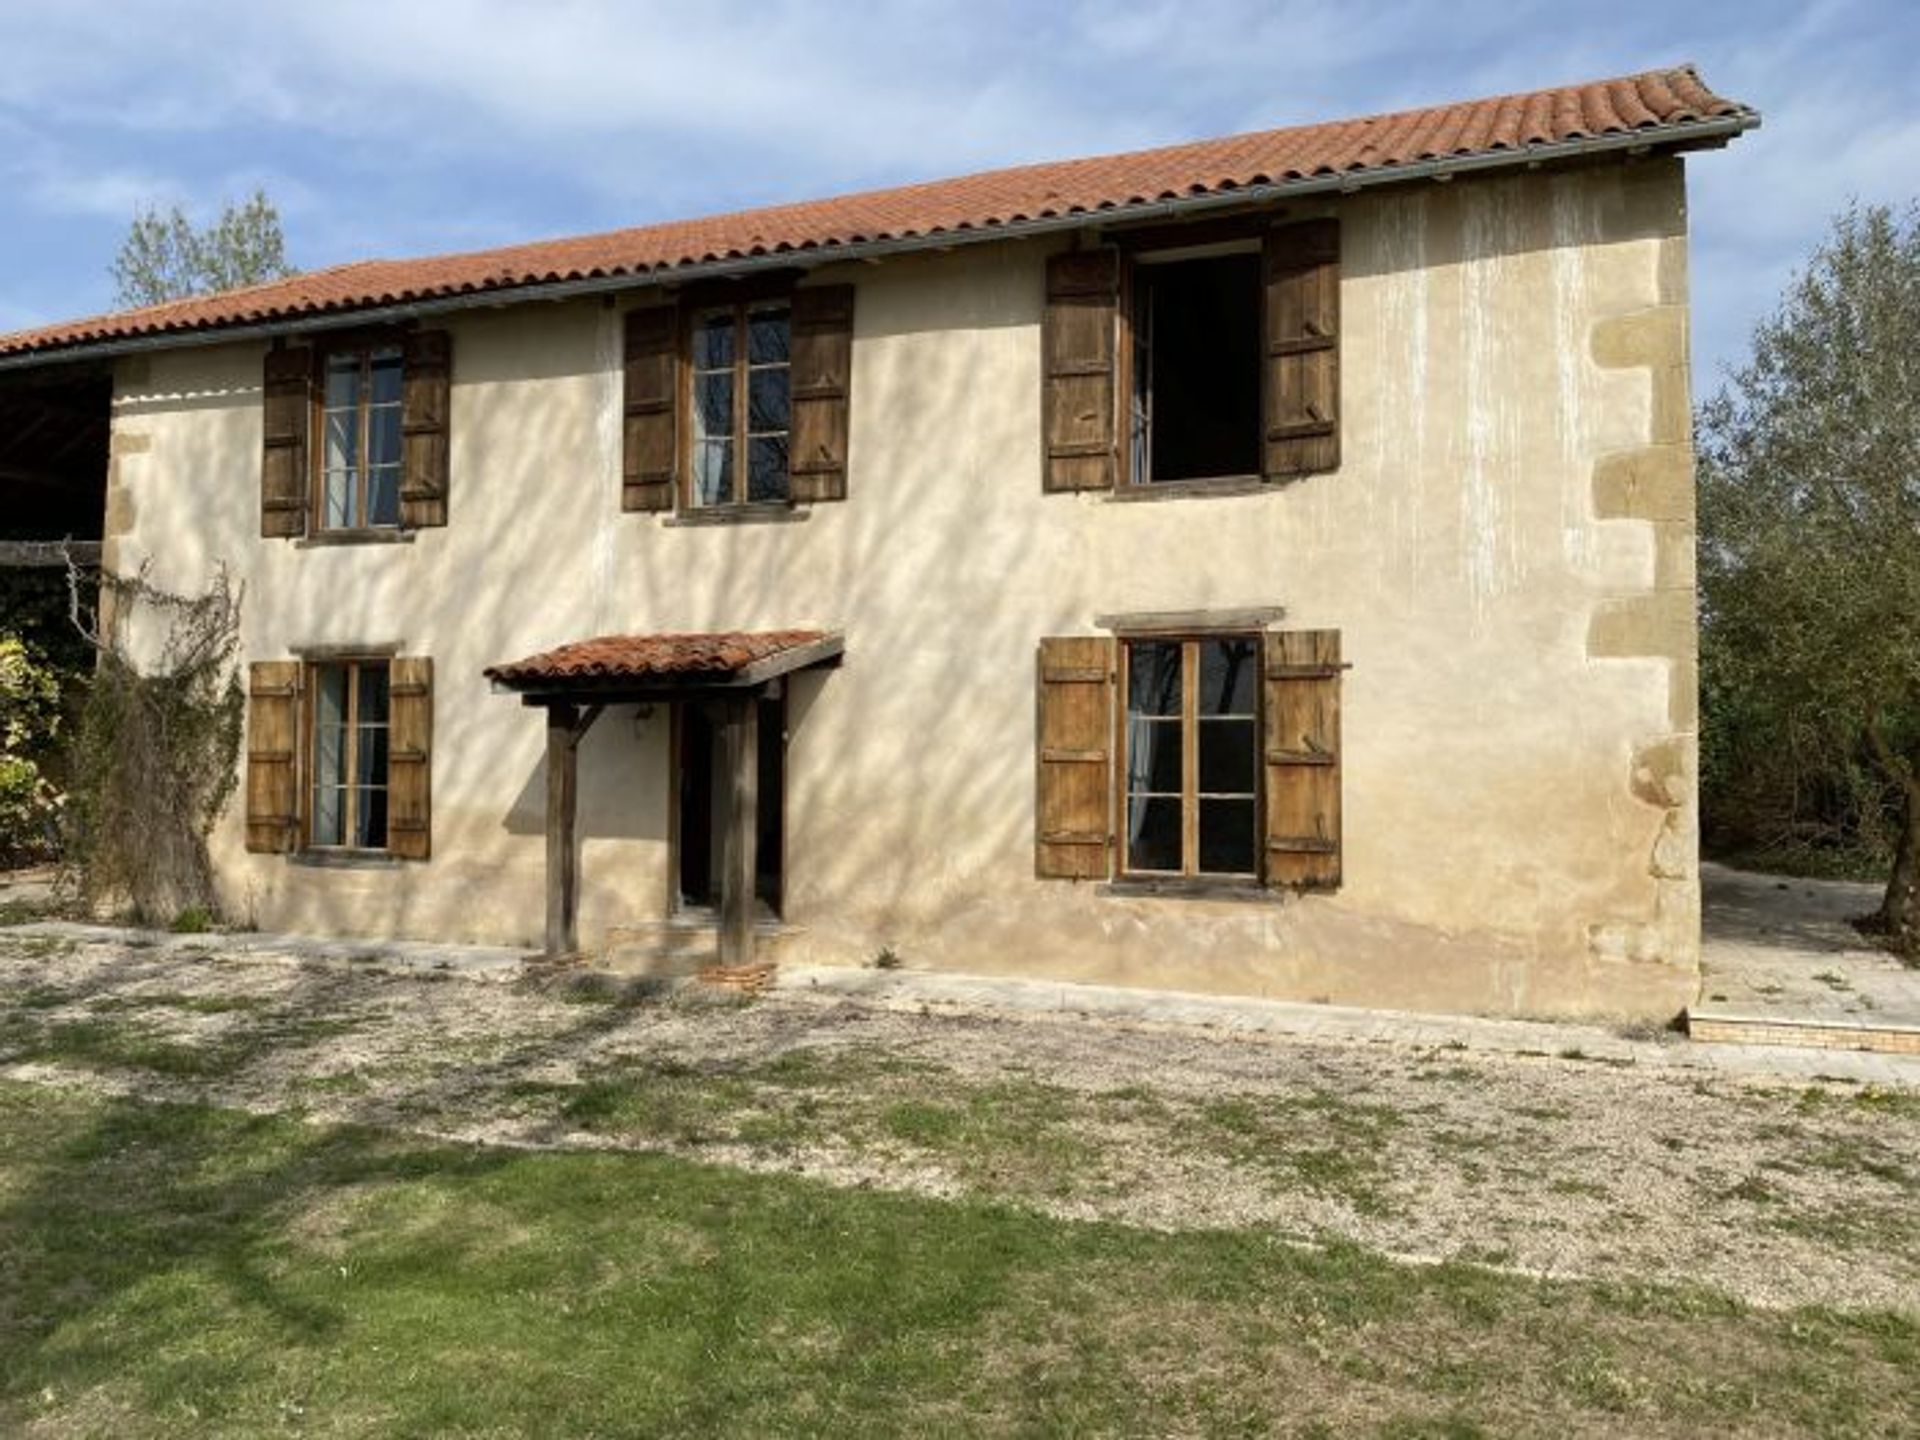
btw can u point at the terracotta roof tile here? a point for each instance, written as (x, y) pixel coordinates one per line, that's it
(1646, 103)
(640, 657)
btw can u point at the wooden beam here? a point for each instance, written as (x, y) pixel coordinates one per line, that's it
(563, 754)
(738, 861)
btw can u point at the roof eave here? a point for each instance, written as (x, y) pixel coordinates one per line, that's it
(1693, 134)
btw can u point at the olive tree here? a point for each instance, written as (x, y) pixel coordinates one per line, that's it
(166, 257)
(1810, 539)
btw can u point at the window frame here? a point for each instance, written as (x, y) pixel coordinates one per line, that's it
(1146, 251)
(1190, 875)
(365, 345)
(741, 434)
(354, 664)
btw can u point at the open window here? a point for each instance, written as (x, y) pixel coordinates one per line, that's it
(1184, 357)
(1194, 382)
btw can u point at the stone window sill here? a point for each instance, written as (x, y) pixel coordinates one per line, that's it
(762, 513)
(1196, 489)
(346, 859)
(1127, 888)
(323, 538)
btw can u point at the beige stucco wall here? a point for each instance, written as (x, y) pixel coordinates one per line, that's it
(1506, 550)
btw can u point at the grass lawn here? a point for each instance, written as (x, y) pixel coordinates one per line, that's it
(186, 1270)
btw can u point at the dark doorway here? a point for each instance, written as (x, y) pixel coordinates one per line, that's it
(702, 805)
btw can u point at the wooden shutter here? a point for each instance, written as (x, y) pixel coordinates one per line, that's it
(650, 449)
(410, 757)
(273, 745)
(1302, 745)
(286, 411)
(1302, 271)
(822, 385)
(1080, 380)
(1073, 813)
(426, 388)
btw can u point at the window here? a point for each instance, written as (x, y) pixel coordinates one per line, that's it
(1192, 762)
(349, 730)
(741, 380)
(360, 456)
(1194, 406)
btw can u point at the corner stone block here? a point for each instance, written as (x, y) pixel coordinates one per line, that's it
(1656, 337)
(1655, 483)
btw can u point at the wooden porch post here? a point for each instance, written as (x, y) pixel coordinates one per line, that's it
(563, 753)
(738, 860)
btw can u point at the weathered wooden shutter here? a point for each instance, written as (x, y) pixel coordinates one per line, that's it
(286, 409)
(1302, 269)
(273, 745)
(650, 449)
(1081, 380)
(822, 387)
(1302, 745)
(426, 392)
(1074, 809)
(410, 757)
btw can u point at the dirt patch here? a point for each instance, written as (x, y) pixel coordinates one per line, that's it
(1775, 1193)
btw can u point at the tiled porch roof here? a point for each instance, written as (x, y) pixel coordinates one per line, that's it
(716, 656)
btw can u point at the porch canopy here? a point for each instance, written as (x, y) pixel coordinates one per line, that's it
(573, 683)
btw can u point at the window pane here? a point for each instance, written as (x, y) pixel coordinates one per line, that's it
(1153, 756)
(386, 377)
(383, 435)
(767, 407)
(329, 713)
(1153, 681)
(370, 760)
(342, 439)
(1229, 675)
(343, 381)
(383, 496)
(1226, 837)
(338, 506)
(1227, 756)
(713, 472)
(1153, 834)
(767, 468)
(370, 824)
(767, 336)
(329, 815)
(713, 341)
(713, 404)
(373, 695)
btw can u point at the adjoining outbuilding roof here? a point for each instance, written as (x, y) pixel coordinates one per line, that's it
(720, 659)
(1658, 107)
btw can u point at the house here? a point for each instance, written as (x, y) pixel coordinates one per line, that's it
(1260, 566)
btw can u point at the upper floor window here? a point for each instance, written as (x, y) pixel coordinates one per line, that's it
(360, 459)
(742, 404)
(1194, 406)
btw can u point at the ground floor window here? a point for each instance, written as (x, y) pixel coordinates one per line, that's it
(1192, 760)
(348, 762)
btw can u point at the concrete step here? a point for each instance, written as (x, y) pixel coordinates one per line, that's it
(675, 949)
(1885, 1033)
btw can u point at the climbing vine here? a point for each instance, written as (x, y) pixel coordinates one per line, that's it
(156, 755)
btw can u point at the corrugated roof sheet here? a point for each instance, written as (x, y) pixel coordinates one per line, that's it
(1635, 104)
(640, 657)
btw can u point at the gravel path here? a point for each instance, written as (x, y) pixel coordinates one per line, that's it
(1774, 1192)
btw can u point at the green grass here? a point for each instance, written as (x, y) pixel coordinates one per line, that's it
(180, 1270)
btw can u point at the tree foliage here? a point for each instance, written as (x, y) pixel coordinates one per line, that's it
(1810, 562)
(30, 726)
(166, 257)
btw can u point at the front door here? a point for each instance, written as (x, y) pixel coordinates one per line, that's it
(701, 780)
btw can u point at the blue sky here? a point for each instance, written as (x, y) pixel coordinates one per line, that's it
(383, 127)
